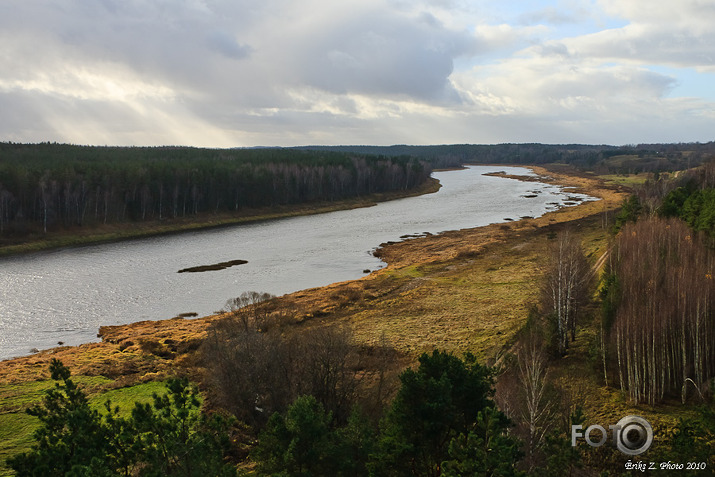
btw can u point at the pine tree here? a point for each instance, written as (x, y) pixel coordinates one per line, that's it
(438, 401)
(299, 443)
(72, 436)
(169, 437)
(486, 451)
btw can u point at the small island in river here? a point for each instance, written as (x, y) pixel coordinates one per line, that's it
(216, 266)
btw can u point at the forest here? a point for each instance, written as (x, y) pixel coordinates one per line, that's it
(650, 326)
(658, 293)
(602, 159)
(50, 186)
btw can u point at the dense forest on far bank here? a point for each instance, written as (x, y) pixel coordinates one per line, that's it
(46, 187)
(49, 187)
(602, 159)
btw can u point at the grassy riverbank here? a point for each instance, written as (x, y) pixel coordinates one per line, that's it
(77, 236)
(467, 290)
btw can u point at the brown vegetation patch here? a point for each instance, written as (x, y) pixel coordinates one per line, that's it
(460, 290)
(214, 267)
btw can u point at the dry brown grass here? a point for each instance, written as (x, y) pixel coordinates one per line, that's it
(461, 290)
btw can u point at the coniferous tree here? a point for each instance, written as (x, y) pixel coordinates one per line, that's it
(173, 438)
(169, 437)
(299, 443)
(72, 436)
(486, 450)
(46, 187)
(437, 402)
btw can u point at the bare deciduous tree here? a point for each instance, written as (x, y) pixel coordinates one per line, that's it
(565, 287)
(664, 327)
(247, 310)
(536, 409)
(259, 370)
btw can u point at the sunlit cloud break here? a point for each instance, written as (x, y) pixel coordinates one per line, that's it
(236, 73)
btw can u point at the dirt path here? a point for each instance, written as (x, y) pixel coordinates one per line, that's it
(599, 263)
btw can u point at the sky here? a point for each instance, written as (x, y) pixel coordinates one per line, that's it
(241, 73)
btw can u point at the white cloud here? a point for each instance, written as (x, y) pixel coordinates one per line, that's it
(678, 34)
(692, 13)
(225, 73)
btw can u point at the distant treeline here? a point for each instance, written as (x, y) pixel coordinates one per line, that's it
(49, 185)
(600, 158)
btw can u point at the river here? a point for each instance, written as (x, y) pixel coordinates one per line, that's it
(66, 295)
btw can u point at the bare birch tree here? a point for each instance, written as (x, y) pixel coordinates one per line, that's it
(537, 410)
(664, 327)
(565, 287)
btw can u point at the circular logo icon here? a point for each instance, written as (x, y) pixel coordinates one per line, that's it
(634, 435)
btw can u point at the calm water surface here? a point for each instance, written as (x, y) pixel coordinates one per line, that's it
(66, 295)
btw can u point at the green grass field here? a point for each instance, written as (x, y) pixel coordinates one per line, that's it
(17, 427)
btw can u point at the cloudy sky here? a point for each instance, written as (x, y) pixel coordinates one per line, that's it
(226, 73)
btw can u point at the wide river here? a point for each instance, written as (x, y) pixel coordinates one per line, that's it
(66, 295)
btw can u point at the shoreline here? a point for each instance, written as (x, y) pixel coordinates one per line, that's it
(130, 231)
(412, 252)
(468, 290)
(468, 242)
